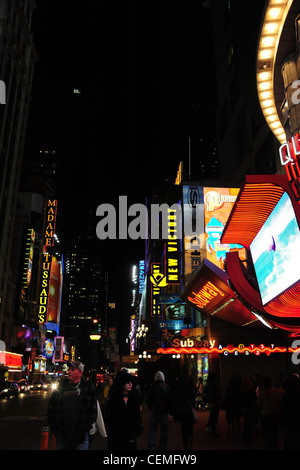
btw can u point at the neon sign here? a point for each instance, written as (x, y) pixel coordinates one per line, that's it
(289, 156)
(207, 293)
(43, 298)
(158, 280)
(50, 222)
(235, 350)
(172, 263)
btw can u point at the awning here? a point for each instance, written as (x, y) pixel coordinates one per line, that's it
(256, 200)
(210, 293)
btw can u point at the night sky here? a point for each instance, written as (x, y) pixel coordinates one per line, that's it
(140, 69)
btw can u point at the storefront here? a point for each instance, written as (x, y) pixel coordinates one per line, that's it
(10, 365)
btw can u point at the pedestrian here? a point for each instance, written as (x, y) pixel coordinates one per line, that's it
(199, 402)
(269, 413)
(183, 398)
(123, 413)
(233, 406)
(104, 393)
(248, 401)
(158, 402)
(72, 410)
(291, 413)
(212, 396)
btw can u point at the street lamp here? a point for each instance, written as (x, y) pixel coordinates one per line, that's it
(94, 336)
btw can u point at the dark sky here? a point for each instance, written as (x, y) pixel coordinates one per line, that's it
(140, 67)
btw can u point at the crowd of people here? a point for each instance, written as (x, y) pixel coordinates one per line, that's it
(272, 407)
(77, 410)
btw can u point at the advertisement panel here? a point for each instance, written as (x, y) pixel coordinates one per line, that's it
(55, 291)
(193, 229)
(218, 203)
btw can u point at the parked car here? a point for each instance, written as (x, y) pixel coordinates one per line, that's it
(23, 386)
(9, 389)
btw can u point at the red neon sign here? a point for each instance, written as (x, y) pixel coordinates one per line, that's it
(290, 158)
(256, 350)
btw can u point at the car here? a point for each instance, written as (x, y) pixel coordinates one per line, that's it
(40, 385)
(23, 386)
(8, 389)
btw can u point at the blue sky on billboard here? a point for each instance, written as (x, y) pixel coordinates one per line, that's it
(276, 251)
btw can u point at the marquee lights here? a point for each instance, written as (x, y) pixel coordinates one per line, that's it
(274, 19)
(241, 349)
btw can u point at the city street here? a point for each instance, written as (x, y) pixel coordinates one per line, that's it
(22, 418)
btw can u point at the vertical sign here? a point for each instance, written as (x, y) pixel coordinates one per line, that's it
(43, 298)
(50, 222)
(172, 253)
(157, 281)
(59, 349)
(46, 259)
(193, 219)
(218, 205)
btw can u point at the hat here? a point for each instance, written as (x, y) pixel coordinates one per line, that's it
(76, 365)
(159, 376)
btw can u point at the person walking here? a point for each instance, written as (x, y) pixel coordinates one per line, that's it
(212, 396)
(72, 410)
(123, 413)
(183, 393)
(158, 402)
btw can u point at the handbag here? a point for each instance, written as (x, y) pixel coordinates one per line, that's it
(99, 422)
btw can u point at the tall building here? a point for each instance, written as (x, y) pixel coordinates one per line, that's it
(245, 144)
(17, 57)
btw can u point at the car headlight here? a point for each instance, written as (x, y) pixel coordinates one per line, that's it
(54, 386)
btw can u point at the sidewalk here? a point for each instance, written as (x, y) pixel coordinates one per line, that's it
(202, 440)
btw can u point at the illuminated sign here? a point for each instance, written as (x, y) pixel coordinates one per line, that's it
(158, 280)
(50, 222)
(218, 203)
(55, 291)
(289, 156)
(193, 226)
(49, 348)
(11, 360)
(58, 349)
(205, 295)
(28, 257)
(235, 350)
(179, 175)
(172, 252)
(141, 276)
(43, 297)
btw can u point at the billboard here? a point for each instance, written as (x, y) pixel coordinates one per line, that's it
(55, 291)
(193, 229)
(218, 203)
(275, 251)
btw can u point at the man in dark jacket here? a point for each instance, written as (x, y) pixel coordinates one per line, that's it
(72, 410)
(158, 401)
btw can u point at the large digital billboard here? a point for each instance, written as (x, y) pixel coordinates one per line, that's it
(275, 251)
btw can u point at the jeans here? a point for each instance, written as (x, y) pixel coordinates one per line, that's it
(155, 421)
(65, 445)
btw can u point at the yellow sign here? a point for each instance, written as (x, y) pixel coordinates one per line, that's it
(158, 279)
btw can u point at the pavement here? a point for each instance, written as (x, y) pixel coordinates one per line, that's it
(202, 439)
